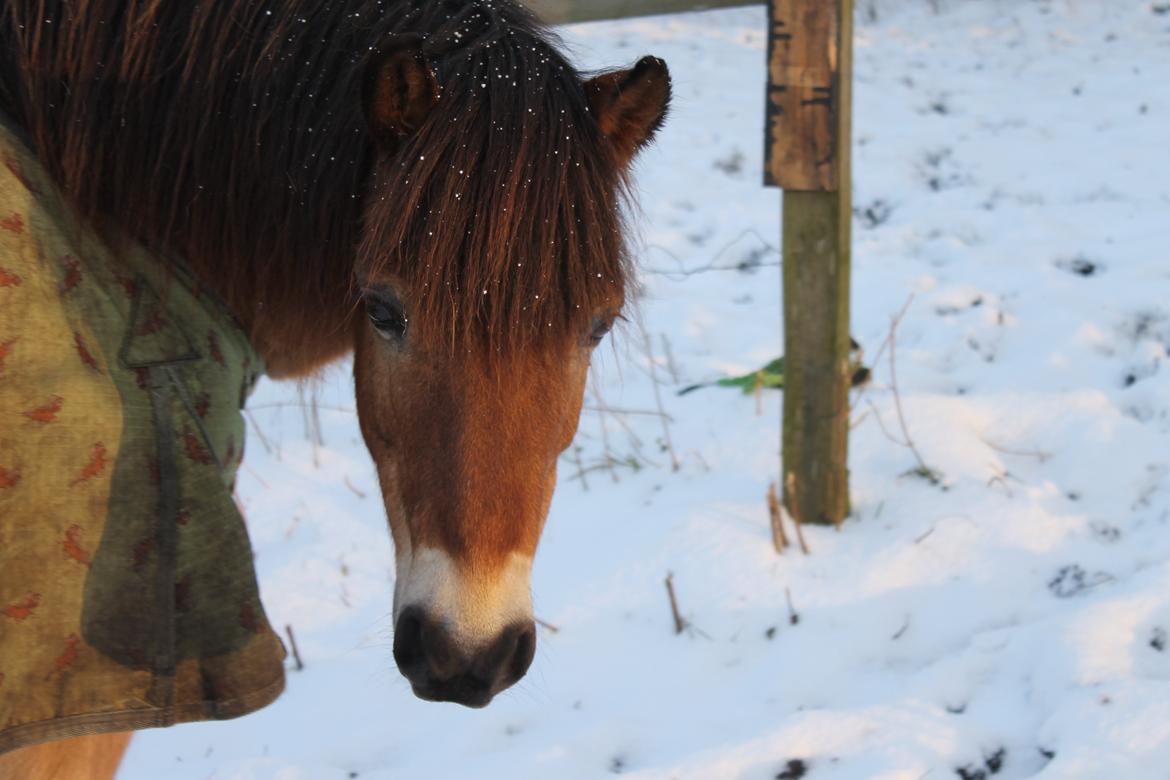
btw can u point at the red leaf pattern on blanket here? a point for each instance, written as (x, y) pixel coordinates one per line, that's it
(195, 449)
(72, 546)
(47, 412)
(9, 477)
(142, 552)
(5, 351)
(22, 609)
(14, 167)
(68, 656)
(97, 463)
(84, 353)
(72, 276)
(129, 285)
(213, 347)
(151, 324)
(10, 278)
(13, 223)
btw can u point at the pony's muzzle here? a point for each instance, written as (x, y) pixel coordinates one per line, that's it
(440, 670)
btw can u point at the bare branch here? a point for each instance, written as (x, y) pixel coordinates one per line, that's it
(292, 641)
(877, 356)
(674, 462)
(1039, 455)
(779, 538)
(679, 623)
(793, 616)
(924, 470)
(682, 272)
(353, 488)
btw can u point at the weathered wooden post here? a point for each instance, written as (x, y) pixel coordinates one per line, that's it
(810, 69)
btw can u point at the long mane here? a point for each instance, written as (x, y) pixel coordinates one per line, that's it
(231, 134)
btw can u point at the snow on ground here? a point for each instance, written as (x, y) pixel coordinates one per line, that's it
(1012, 620)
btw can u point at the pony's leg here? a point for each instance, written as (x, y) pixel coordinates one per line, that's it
(94, 757)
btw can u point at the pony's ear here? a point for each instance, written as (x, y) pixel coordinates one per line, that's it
(398, 89)
(630, 105)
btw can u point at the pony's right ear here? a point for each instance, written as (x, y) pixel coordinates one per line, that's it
(630, 105)
(398, 88)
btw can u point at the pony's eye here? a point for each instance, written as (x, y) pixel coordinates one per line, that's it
(386, 315)
(601, 326)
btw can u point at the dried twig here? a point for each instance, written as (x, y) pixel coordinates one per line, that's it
(635, 441)
(603, 410)
(895, 321)
(882, 425)
(779, 538)
(292, 641)
(312, 419)
(1001, 476)
(925, 471)
(671, 366)
(606, 464)
(683, 272)
(1039, 455)
(353, 488)
(596, 388)
(793, 616)
(790, 486)
(679, 623)
(581, 466)
(674, 462)
(259, 431)
(256, 476)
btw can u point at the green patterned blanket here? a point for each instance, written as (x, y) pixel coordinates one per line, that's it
(127, 594)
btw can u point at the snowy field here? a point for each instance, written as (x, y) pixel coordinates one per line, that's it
(1011, 621)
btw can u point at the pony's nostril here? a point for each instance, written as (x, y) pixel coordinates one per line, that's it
(441, 657)
(409, 652)
(522, 655)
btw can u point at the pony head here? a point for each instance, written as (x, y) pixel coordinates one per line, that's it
(491, 264)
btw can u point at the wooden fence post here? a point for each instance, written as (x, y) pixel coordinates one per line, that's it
(810, 68)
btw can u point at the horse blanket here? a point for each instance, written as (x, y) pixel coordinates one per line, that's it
(128, 598)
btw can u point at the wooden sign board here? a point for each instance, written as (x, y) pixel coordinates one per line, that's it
(804, 94)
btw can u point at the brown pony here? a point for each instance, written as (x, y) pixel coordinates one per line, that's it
(426, 183)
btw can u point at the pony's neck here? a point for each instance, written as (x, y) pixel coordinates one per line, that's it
(297, 325)
(300, 338)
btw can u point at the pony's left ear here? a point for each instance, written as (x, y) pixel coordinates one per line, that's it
(399, 88)
(630, 105)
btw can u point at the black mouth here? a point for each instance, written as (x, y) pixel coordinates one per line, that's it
(466, 689)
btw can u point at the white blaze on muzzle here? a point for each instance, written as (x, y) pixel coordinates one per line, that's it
(474, 608)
